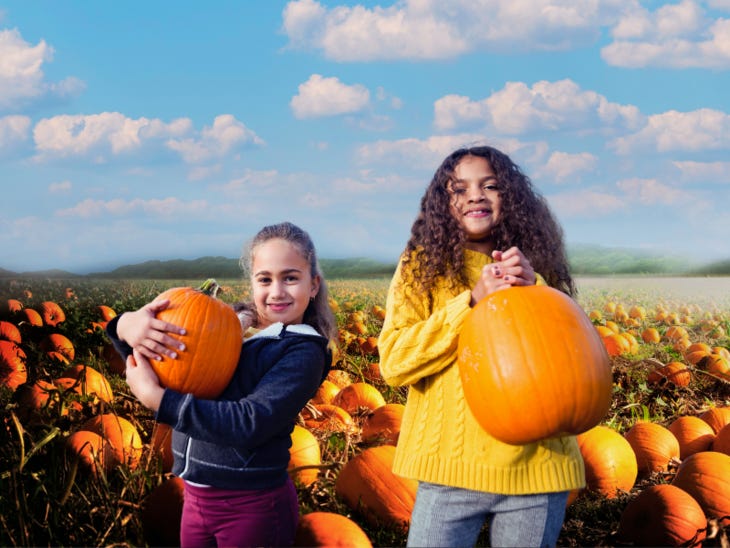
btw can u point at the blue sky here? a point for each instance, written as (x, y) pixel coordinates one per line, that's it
(139, 130)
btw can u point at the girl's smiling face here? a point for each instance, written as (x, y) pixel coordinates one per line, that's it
(475, 201)
(281, 283)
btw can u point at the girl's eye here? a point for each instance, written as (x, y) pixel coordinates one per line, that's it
(262, 281)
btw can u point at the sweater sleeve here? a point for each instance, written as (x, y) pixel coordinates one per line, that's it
(271, 407)
(414, 342)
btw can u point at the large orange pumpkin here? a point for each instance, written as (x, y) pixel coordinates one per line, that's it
(717, 417)
(10, 332)
(533, 366)
(654, 446)
(358, 397)
(383, 424)
(368, 485)
(304, 456)
(662, 515)
(610, 462)
(693, 434)
(87, 381)
(721, 442)
(706, 476)
(51, 313)
(212, 342)
(331, 530)
(125, 443)
(13, 372)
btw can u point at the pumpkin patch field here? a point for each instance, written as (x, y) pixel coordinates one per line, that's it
(82, 463)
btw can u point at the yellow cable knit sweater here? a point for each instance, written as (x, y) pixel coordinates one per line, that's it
(440, 441)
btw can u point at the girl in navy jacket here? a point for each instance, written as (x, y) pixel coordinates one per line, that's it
(233, 452)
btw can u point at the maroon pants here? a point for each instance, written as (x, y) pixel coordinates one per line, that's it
(224, 517)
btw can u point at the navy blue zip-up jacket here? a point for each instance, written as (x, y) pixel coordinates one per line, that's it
(241, 440)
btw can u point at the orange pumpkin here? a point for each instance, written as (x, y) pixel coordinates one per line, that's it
(326, 417)
(359, 396)
(383, 424)
(92, 451)
(125, 443)
(662, 515)
(654, 446)
(610, 462)
(304, 452)
(706, 476)
(331, 530)
(717, 417)
(30, 316)
(326, 392)
(106, 312)
(10, 332)
(675, 372)
(55, 342)
(367, 485)
(12, 365)
(161, 445)
(721, 442)
(533, 366)
(693, 434)
(51, 313)
(212, 341)
(87, 381)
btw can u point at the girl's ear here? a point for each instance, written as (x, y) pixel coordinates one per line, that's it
(315, 286)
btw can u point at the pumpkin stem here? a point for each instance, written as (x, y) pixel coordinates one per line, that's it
(210, 287)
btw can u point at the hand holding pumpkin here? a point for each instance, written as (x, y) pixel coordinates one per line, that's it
(510, 268)
(148, 335)
(143, 381)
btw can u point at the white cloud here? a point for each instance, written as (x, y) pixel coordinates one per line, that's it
(216, 141)
(166, 208)
(429, 153)
(703, 129)
(62, 186)
(13, 130)
(704, 172)
(21, 75)
(562, 166)
(320, 96)
(551, 106)
(585, 203)
(676, 36)
(651, 191)
(104, 135)
(433, 29)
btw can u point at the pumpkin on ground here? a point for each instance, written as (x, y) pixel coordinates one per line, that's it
(125, 443)
(58, 343)
(328, 418)
(51, 313)
(10, 332)
(662, 515)
(326, 392)
(610, 462)
(91, 450)
(383, 425)
(676, 373)
(161, 445)
(706, 476)
(654, 445)
(87, 381)
(367, 485)
(359, 396)
(304, 453)
(13, 372)
(212, 341)
(331, 530)
(693, 434)
(721, 441)
(717, 417)
(533, 366)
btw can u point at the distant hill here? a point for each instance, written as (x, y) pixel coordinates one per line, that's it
(585, 260)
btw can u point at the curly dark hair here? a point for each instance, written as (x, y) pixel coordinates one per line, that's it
(436, 245)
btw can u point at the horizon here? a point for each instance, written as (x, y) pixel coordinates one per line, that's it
(133, 132)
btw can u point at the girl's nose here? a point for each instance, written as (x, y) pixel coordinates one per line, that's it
(476, 193)
(277, 289)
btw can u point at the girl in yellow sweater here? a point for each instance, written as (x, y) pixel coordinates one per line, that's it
(481, 228)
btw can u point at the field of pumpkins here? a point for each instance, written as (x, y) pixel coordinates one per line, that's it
(82, 463)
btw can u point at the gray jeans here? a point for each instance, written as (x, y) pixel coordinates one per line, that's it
(448, 516)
